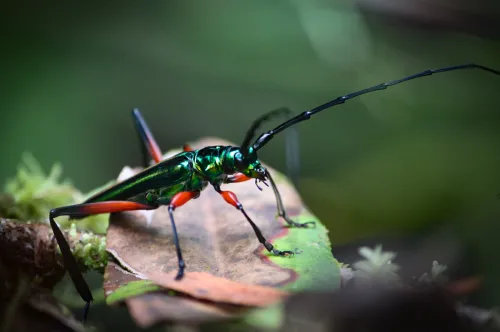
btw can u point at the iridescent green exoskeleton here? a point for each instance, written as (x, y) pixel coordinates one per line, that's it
(172, 183)
(175, 181)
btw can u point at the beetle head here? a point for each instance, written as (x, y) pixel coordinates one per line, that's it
(246, 163)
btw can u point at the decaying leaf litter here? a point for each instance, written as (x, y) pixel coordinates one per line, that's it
(220, 249)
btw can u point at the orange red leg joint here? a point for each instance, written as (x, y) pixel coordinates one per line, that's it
(182, 198)
(238, 177)
(154, 150)
(231, 198)
(113, 206)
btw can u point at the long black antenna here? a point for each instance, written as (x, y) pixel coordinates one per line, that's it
(267, 136)
(257, 123)
(292, 153)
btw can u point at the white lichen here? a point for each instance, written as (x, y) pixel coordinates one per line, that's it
(376, 268)
(436, 274)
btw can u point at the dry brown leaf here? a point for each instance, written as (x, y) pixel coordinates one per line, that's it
(148, 309)
(225, 262)
(205, 286)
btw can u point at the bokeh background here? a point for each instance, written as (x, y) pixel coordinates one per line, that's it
(420, 156)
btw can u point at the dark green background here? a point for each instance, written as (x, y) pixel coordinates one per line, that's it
(419, 154)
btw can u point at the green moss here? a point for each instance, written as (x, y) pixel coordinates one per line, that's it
(34, 192)
(31, 194)
(90, 250)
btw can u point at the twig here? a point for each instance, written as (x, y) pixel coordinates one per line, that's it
(21, 292)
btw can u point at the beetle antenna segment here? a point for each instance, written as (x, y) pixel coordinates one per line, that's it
(257, 123)
(267, 136)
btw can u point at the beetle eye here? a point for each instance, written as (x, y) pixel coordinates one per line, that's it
(238, 156)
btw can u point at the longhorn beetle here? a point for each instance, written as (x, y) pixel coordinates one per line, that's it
(175, 181)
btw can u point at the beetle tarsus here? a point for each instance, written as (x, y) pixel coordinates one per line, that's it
(277, 252)
(282, 253)
(86, 310)
(292, 223)
(180, 274)
(281, 208)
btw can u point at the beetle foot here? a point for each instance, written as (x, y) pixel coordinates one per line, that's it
(277, 252)
(292, 223)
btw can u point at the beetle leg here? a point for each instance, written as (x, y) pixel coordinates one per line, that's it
(81, 210)
(178, 200)
(281, 208)
(238, 177)
(231, 198)
(149, 147)
(186, 147)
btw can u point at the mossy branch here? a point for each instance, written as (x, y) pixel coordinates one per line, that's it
(27, 243)
(31, 248)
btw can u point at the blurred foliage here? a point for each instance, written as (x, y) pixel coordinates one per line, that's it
(413, 156)
(35, 193)
(32, 193)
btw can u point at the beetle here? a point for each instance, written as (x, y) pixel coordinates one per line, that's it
(175, 181)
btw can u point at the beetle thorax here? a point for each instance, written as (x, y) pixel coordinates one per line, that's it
(208, 162)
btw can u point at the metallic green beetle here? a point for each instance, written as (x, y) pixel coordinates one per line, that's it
(175, 181)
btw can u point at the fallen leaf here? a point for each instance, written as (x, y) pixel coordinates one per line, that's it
(150, 309)
(221, 251)
(205, 286)
(149, 304)
(120, 284)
